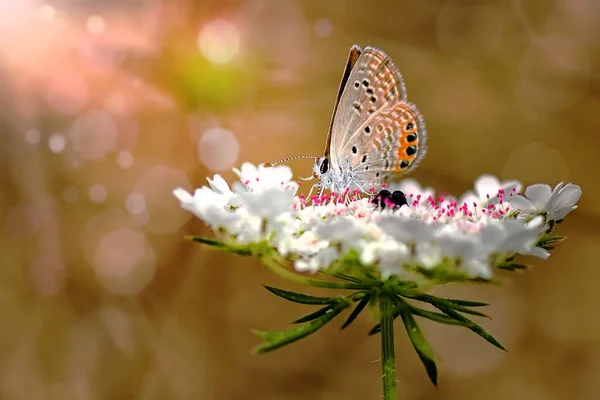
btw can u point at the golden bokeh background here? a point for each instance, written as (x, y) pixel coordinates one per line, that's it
(106, 106)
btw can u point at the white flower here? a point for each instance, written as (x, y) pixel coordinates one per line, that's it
(206, 205)
(269, 203)
(428, 254)
(389, 256)
(305, 244)
(514, 236)
(346, 231)
(219, 186)
(541, 199)
(261, 178)
(428, 234)
(467, 250)
(490, 190)
(321, 260)
(406, 229)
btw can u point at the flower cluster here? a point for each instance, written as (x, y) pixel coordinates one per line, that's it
(427, 237)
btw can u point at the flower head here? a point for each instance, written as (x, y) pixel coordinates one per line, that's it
(464, 239)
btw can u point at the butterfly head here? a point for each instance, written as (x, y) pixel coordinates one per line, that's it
(321, 168)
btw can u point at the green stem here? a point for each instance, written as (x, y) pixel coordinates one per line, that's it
(388, 358)
(292, 276)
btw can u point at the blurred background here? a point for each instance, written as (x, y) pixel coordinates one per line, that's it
(106, 106)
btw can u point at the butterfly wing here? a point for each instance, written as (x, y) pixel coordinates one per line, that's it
(355, 52)
(373, 84)
(394, 145)
(375, 132)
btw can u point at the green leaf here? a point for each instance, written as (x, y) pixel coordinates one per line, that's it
(471, 326)
(443, 274)
(317, 314)
(346, 277)
(511, 266)
(420, 344)
(343, 276)
(467, 303)
(435, 301)
(275, 340)
(232, 248)
(357, 310)
(302, 298)
(375, 330)
(435, 316)
(549, 242)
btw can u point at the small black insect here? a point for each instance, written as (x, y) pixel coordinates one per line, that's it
(385, 198)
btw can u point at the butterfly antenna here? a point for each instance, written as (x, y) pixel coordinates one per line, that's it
(272, 164)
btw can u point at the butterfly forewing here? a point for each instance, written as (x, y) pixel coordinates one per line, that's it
(355, 52)
(373, 84)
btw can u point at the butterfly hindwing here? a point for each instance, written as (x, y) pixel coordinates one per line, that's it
(395, 146)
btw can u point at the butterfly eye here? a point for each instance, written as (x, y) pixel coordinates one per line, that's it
(324, 166)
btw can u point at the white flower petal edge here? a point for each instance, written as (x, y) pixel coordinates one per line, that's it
(540, 199)
(490, 223)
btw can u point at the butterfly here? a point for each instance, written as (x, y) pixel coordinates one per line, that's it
(375, 134)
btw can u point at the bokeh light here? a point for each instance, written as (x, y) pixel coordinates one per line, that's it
(219, 41)
(96, 24)
(97, 193)
(323, 27)
(135, 203)
(32, 136)
(57, 142)
(124, 261)
(125, 159)
(94, 135)
(218, 149)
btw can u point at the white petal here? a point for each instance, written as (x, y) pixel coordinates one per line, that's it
(523, 204)
(487, 185)
(477, 268)
(560, 213)
(183, 196)
(219, 185)
(567, 197)
(428, 255)
(539, 194)
(369, 254)
(539, 252)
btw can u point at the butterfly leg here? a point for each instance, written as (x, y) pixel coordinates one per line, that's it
(311, 190)
(308, 178)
